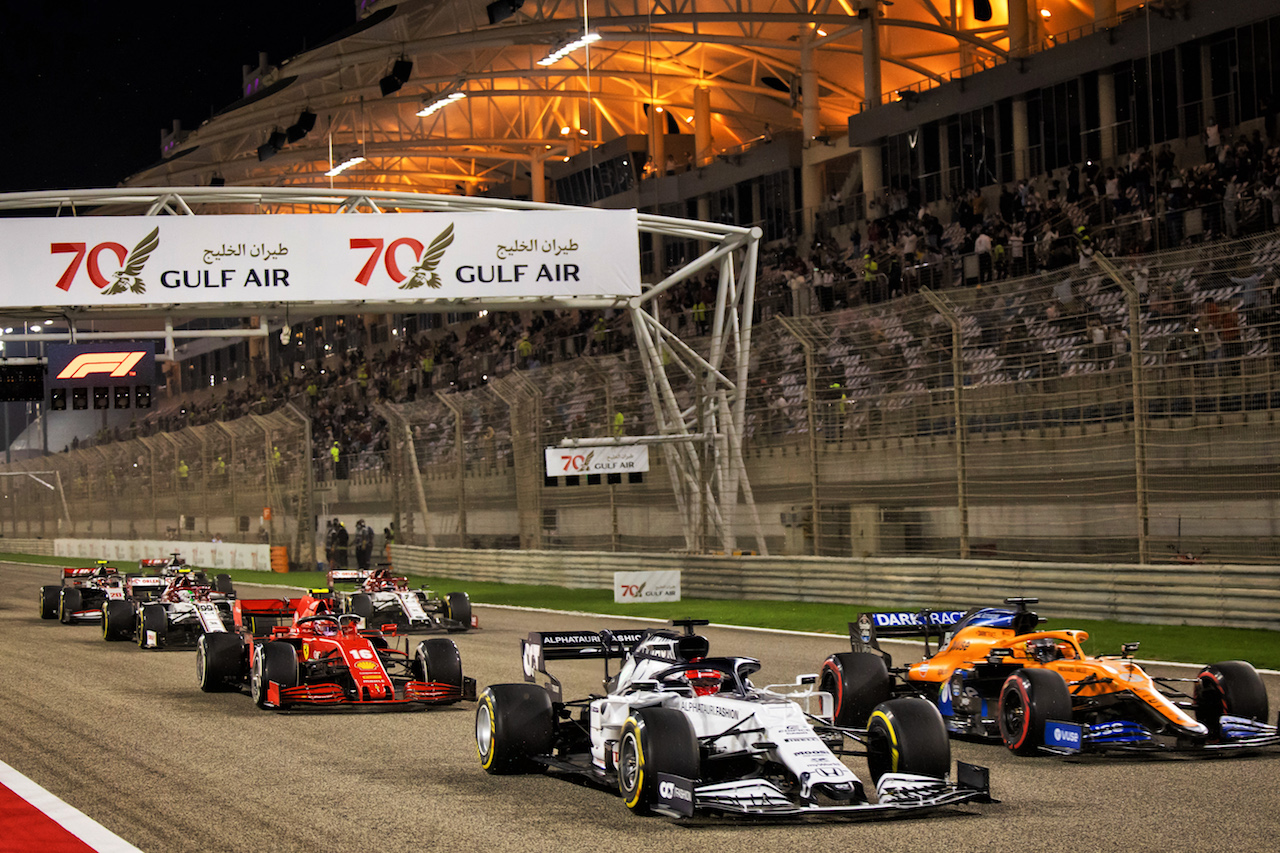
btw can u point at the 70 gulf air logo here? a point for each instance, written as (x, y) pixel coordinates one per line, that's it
(424, 272)
(128, 275)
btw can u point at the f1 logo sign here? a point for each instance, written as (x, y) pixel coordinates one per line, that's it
(115, 364)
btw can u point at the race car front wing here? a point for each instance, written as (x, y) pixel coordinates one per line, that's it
(897, 795)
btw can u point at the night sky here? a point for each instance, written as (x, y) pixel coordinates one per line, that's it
(92, 84)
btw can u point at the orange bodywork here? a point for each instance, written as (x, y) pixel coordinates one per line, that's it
(1085, 676)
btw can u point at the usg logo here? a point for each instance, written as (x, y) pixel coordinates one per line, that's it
(114, 364)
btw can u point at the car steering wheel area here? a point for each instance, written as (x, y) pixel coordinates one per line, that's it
(734, 672)
(321, 617)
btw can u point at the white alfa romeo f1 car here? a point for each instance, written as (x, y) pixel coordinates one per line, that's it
(680, 733)
(384, 600)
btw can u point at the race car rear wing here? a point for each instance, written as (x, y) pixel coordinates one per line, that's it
(543, 646)
(353, 576)
(864, 634)
(259, 615)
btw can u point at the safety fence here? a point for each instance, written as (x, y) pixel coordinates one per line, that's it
(246, 480)
(1009, 420)
(1236, 596)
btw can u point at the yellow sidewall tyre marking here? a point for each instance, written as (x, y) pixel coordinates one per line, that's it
(634, 727)
(893, 738)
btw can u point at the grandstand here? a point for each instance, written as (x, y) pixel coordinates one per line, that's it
(908, 396)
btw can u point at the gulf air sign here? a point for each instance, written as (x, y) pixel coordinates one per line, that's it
(410, 257)
(97, 364)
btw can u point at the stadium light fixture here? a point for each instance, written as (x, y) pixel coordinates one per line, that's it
(440, 101)
(344, 165)
(397, 77)
(565, 49)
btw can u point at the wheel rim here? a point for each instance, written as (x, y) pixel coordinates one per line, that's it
(255, 680)
(484, 731)
(629, 763)
(200, 667)
(827, 684)
(1014, 716)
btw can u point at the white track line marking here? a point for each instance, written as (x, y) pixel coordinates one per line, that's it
(68, 817)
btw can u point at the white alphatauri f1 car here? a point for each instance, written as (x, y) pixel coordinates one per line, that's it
(681, 733)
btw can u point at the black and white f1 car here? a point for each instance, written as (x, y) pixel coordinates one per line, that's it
(184, 607)
(680, 733)
(80, 596)
(385, 600)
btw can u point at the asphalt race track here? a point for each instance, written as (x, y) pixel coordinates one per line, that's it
(127, 737)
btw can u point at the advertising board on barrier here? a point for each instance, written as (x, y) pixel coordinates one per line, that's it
(206, 555)
(613, 459)
(238, 258)
(646, 587)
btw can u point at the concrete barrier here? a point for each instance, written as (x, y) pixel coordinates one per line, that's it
(1170, 594)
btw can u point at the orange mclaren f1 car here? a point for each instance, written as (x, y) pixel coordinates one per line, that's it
(994, 675)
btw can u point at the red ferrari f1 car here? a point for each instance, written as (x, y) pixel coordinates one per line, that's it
(300, 651)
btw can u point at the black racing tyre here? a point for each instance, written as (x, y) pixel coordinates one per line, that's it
(458, 608)
(362, 606)
(49, 596)
(222, 584)
(859, 681)
(153, 626)
(514, 724)
(219, 661)
(654, 740)
(1231, 687)
(117, 620)
(1029, 699)
(69, 601)
(437, 660)
(275, 661)
(907, 735)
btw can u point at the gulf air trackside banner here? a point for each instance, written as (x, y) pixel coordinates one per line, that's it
(145, 260)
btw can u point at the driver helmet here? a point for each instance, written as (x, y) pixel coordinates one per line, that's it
(325, 628)
(1044, 649)
(704, 682)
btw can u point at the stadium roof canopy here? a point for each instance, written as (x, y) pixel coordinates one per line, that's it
(730, 70)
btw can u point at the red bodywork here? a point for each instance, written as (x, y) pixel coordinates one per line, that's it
(338, 661)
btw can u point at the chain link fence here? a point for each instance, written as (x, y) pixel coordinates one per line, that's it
(247, 480)
(1094, 412)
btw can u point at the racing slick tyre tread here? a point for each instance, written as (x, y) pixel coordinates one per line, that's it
(49, 601)
(69, 602)
(362, 606)
(514, 724)
(858, 681)
(117, 620)
(152, 618)
(458, 608)
(222, 584)
(654, 740)
(438, 661)
(1030, 698)
(276, 661)
(219, 660)
(907, 735)
(1229, 687)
